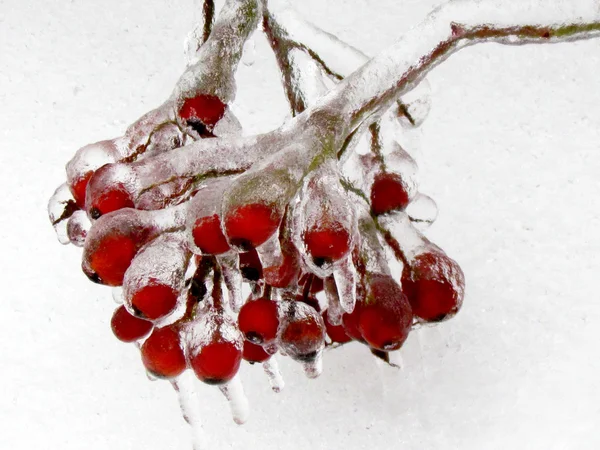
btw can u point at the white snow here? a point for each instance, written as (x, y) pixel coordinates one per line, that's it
(510, 154)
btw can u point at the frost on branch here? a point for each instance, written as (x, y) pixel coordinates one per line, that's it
(181, 210)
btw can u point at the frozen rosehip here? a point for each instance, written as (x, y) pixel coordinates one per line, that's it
(327, 243)
(79, 187)
(335, 332)
(202, 113)
(110, 200)
(435, 285)
(385, 316)
(248, 226)
(389, 193)
(208, 236)
(216, 362)
(128, 328)
(214, 347)
(285, 274)
(254, 353)
(258, 320)
(162, 353)
(108, 260)
(154, 301)
(302, 331)
(350, 324)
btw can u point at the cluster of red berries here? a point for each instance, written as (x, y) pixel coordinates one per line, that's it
(172, 263)
(181, 211)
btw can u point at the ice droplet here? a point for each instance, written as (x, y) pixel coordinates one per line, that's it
(422, 211)
(314, 367)
(78, 226)
(249, 55)
(271, 368)
(238, 402)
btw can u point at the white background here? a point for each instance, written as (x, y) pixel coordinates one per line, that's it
(510, 152)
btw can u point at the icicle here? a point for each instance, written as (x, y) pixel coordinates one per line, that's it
(269, 253)
(186, 395)
(238, 402)
(345, 280)
(117, 295)
(233, 279)
(271, 368)
(314, 367)
(334, 309)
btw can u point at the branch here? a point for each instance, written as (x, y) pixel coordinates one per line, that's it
(446, 30)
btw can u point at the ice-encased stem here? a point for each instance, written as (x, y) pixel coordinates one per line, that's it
(447, 29)
(238, 402)
(271, 368)
(186, 395)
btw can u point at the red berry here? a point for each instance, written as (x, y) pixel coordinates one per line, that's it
(327, 243)
(110, 259)
(302, 332)
(217, 362)
(207, 109)
(258, 320)
(336, 332)
(386, 316)
(388, 193)
(111, 200)
(154, 301)
(248, 226)
(128, 328)
(254, 353)
(162, 354)
(208, 236)
(434, 285)
(78, 188)
(350, 322)
(250, 266)
(284, 275)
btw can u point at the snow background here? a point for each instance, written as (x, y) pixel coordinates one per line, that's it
(510, 154)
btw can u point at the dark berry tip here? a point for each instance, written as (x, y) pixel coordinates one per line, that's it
(95, 213)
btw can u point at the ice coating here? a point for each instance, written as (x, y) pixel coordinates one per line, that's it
(116, 237)
(339, 59)
(326, 224)
(60, 207)
(218, 57)
(422, 211)
(210, 327)
(301, 333)
(229, 262)
(238, 402)
(409, 239)
(78, 227)
(155, 275)
(344, 275)
(205, 209)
